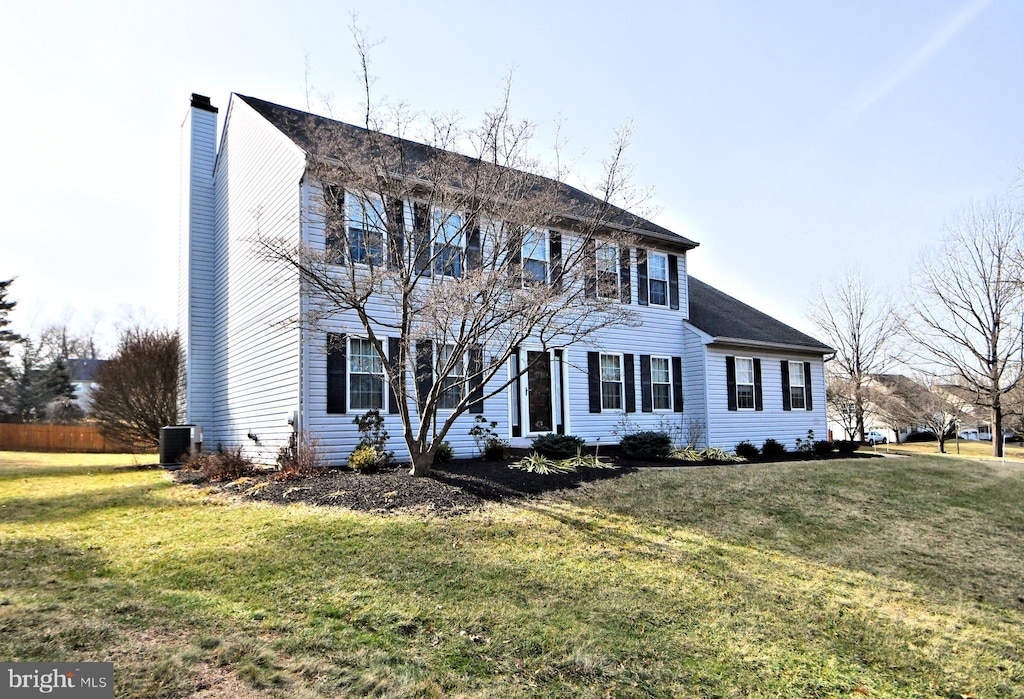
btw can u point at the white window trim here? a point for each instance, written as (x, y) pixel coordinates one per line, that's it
(651, 279)
(616, 272)
(545, 236)
(752, 384)
(671, 397)
(799, 371)
(348, 377)
(621, 381)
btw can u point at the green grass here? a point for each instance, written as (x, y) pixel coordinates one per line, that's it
(966, 449)
(840, 578)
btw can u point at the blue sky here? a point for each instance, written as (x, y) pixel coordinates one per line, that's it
(791, 139)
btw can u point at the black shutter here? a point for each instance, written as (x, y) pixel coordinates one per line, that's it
(590, 269)
(474, 254)
(396, 232)
(394, 352)
(630, 382)
(758, 398)
(646, 392)
(641, 276)
(625, 286)
(807, 386)
(424, 371)
(515, 256)
(335, 225)
(421, 238)
(673, 282)
(677, 385)
(594, 380)
(787, 399)
(476, 379)
(337, 389)
(730, 381)
(555, 243)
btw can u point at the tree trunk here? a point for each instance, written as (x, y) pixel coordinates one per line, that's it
(860, 421)
(942, 443)
(997, 429)
(421, 463)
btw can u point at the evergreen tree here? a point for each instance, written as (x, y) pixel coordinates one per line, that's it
(7, 338)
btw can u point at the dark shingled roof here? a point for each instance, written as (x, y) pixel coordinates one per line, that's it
(296, 125)
(726, 318)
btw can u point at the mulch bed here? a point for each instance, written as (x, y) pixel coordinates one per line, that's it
(453, 488)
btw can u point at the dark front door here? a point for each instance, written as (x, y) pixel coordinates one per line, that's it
(538, 387)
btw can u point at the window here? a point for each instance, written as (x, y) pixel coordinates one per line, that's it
(447, 248)
(661, 383)
(611, 382)
(744, 383)
(796, 386)
(364, 224)
(608, 271)
(657, 278)
(366, 376)
(535, 257)
(452, 383)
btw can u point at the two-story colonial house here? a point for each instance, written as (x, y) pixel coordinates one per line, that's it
(691, 361)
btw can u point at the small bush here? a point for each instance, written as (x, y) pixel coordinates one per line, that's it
(773, 449)
(926, 436)
(496, 449)
(557, 446)
(366, 459)
(687, 454)
(540, 464)
(719, 455)
(444, 453)
(646, 445)
(747, 450)
(373, 434)
(223, 465)
(300, 462)
(823, 447)
(845, 446)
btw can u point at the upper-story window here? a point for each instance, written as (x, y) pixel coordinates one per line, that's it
(364, 231)
(744, 383)
(447, 243)
(657, 278)
(797, 395)
(535, 257)
(608, 271)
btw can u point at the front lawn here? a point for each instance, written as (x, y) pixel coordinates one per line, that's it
(861, 577)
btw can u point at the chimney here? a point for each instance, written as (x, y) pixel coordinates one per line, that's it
(196, 237)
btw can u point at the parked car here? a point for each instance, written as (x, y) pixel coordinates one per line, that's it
(874, 438)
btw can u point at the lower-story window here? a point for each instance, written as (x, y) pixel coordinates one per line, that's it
(661, 383)
(366, 376)
(453, 382)
(745, 383)
(611, 382)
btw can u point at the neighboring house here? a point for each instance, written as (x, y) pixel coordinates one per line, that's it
(83, 377)
(701, 365)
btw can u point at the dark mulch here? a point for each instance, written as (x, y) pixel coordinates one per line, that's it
(453, 488)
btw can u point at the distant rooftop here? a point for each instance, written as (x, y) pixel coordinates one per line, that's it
(726, 318)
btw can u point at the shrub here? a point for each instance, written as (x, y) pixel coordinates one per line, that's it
(543, 465)
(823, 447)
(716, 454)
(557, 446)
(747, 450)
(773, 449)
(686, 454)
(646, 445)
(925, 436)
(300, 462)
(845, 446)
(444, 453)
(373, 435)
(496, 449)
(221, 465)
(806, 446)
(366, 459)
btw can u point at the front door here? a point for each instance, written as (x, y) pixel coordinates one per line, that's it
(538, 392)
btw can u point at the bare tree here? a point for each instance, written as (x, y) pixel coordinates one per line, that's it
(923, 401)
(447, 262)
(138, 388)
(858, 321)
(967, 307)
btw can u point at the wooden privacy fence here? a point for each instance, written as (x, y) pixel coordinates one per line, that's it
(20, 437)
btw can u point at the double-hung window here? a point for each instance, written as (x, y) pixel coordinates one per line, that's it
(364, 224)
(608, 271)
(366, 376)
(661, 383)
(448, 243)
(744, 383)
(535, 257)
(657, 278)
(611, 382)
(797, 395)
(452, 383)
